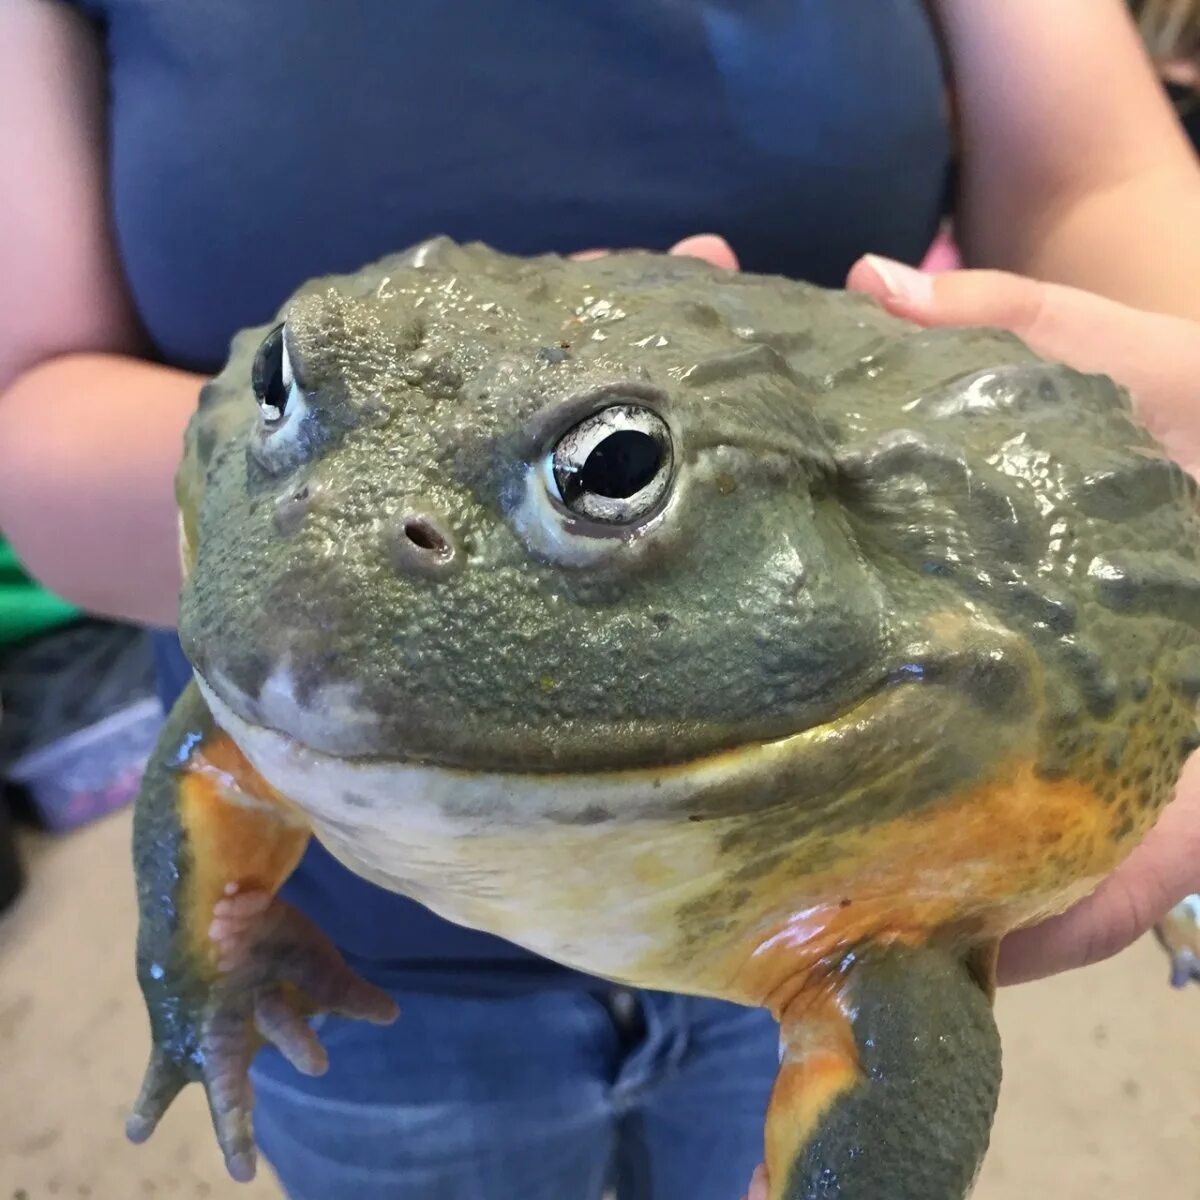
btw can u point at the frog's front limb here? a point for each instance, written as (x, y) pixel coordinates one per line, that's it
(1179, 932)
(888, 1080)
(222, 962)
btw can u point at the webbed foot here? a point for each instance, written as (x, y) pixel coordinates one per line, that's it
(274, 968)
(223, 965)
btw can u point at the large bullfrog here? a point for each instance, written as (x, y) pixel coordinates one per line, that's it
(705, 631)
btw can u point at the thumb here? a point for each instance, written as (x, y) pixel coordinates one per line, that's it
(758, 1184)
(1059, 322)
(1156, 357)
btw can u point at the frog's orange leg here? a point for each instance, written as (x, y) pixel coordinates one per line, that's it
(888, 1080)
(223, 964)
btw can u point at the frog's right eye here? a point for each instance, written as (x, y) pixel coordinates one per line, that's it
(614, 467)
(272, 378)
(287, 430)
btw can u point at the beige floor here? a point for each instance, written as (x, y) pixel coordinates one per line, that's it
(1102, 1093)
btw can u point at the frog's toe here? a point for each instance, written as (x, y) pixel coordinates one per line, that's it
(226, 1050)
(287, 948)
(281, 1023)
(276, 968)
(163, 1081)
(1185, 969)
(229, 1104)
(228, 1089)
(1179, 934)
(272, 969)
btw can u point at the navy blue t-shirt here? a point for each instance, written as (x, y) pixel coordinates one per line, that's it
(254, 145)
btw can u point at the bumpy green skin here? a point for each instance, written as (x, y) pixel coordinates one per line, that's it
(173, 986)
(919, 1124)
(850, 494)
(177, 988)
(841, 475)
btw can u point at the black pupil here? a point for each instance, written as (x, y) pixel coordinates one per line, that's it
(621, 465)
(267, 372)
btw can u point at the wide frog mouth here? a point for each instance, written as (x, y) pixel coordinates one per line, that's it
(917, 732)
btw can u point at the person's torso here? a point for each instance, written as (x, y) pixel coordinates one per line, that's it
(254, 145)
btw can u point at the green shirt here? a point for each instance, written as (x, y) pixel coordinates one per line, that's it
(26, 608)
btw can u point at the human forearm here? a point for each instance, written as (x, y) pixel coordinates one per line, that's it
(1137, 241)
(88, 450)
(1074, 167)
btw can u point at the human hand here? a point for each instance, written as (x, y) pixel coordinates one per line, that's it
(758, 1185)
(1156, 357)
(710, 247)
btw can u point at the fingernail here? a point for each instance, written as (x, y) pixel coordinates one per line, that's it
(903, 283)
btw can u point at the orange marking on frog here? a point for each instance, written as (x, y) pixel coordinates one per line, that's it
(965, 871)
(962, 874)
(820, 1065)
(244, 840)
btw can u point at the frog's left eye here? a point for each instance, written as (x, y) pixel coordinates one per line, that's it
(272, 378)
(615, 466)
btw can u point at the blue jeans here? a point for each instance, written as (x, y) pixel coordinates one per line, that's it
(551, 1095)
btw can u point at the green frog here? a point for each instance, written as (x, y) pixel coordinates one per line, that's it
(705, 631)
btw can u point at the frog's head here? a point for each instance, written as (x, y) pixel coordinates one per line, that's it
(532, 514)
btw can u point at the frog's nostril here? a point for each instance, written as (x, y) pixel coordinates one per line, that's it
(421, 544)
(425, 535)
